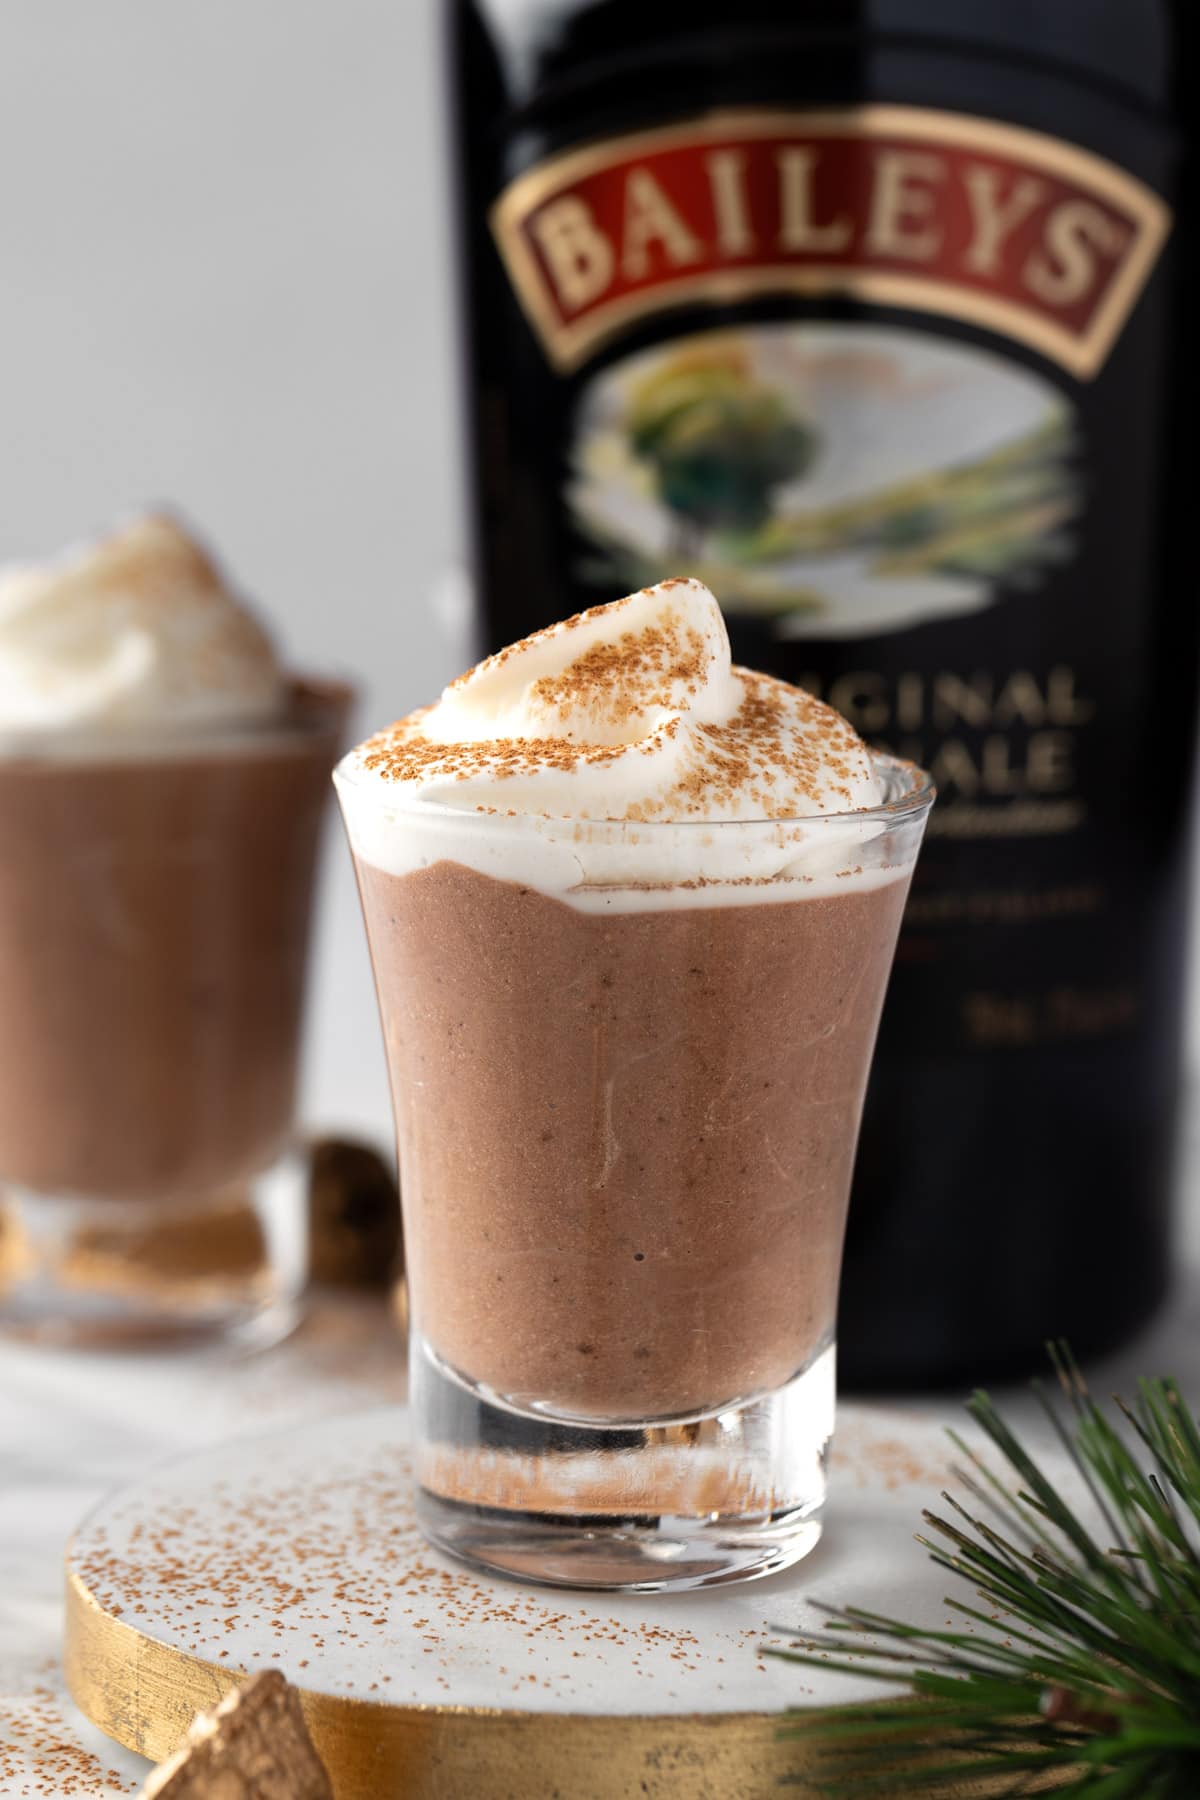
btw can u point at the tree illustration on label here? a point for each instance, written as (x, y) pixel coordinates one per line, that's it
(719, 443)
(840, 479)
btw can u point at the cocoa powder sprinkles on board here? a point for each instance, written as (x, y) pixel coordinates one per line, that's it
(301, 1552)
(322, 1579)
(41, 1757)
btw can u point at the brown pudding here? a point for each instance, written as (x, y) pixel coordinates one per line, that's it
(154, 917)
(626, 1138)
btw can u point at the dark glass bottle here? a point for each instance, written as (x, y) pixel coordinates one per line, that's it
(870, 312)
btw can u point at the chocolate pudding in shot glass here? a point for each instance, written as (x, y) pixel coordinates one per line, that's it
(162, 785)
(631, 913)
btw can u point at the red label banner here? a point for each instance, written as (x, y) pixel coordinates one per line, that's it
(941, 212)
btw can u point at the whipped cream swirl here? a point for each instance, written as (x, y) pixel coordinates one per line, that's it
(619, 761)
(628, 711)
(136, 632)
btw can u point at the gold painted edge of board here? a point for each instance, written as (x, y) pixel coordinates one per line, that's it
(144, 1694)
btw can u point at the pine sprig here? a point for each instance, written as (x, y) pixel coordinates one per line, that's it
(1080, 1675)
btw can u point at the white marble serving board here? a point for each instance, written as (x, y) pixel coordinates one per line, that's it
(74, 1425)
(299, 1550)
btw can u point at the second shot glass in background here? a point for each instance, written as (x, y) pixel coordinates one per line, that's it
(162, 787)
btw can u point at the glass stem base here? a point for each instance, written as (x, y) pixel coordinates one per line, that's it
(728, 1496)
(116, 1273)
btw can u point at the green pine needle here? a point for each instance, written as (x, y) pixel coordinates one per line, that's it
(1079, 1673)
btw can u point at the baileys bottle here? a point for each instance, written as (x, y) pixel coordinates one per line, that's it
(870, 314)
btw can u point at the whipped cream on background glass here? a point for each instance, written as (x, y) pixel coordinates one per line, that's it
(136, 633)
(620, 761)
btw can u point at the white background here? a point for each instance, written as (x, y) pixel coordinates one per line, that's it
(224, 282)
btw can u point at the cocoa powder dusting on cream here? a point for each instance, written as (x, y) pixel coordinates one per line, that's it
(756, 751)
(749, 757)
(660, 666)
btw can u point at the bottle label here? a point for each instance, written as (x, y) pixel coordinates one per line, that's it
(833, 479)
(1008, 229)
(854, 370)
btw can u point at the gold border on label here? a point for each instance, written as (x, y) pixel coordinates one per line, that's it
(1082, 354)
(144, 1694)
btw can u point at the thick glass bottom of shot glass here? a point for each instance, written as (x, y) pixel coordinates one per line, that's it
(683, 1503)
(143, 1274)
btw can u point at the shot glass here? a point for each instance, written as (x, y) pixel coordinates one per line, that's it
(627, 1096)
(155, 900)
